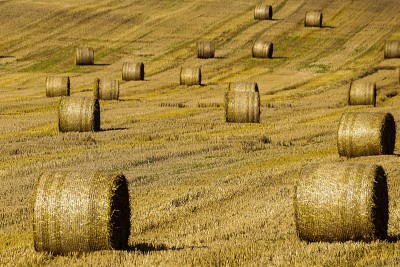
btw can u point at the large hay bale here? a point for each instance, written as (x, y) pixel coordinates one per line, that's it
(339, 202)
(313, 19)
(262, 49)
(81, 212)
(366, 134)
(57, 86)
(190, 76)
(205, 49)
(392, 49)
(263, 12)
(79, 114)
(133, 71)
(242, 103)
(106, 89)
(362, 93)
(84, 56)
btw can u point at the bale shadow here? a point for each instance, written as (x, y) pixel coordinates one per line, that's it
(328, 27)
(101, 64)
(113, 129)
(393, 238)
(145, 248)
(7, 56)
(221, 57)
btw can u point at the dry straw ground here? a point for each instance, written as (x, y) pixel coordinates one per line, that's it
(203, 192)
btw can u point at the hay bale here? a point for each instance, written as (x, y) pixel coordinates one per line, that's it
(190, 76)
(84, 56)
(362, 93)
(205, 49)
(81, 212)
(340, 202)
(262, 49)
(313, 19)
(392, 49)
(79, 114)
(242, 103)
(263, 12)
(57, 86)
(106, 89)
(366, 134)
(133, 71)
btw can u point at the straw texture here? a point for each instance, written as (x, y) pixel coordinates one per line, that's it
(79, 114)
(262, 49)
(205, 49)
(263, 12)
(340, 202)
(84, 56)
(243, 87)
(313, 19)
(362, 93)
(81, 212)
(366, 134)
(132, 71)
(392, 49)
(242, 103)
(106, 89)
(57, 86)
(190, 76)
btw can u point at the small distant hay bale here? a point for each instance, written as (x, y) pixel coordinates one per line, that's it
(340, 202)
(57, 86)
(362, 93)
(79, 114)
(205, 49)
(242, 103)
(392, 49)
(366, 134)
(263, 12)
(84, 56)
(313, 19)
(81, 212)
(262, 49)
(106, 89)
(190, 76)
(133, 71)
(243, 87)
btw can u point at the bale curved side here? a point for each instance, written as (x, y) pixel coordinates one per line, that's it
(362, 93)
(57, 86)
(79, 114)
(243, 87)
(81, 212)
(84, 56)
(313, 19)
(340, 202)
(205, 49)
(366, 134)
(106, 89)
(262, 49)
(132, 71)
(392, 49)
(190, 76)
(263, 12)
(242, 107)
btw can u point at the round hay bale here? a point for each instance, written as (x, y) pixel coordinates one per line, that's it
(205, 49)
(313, 19)
(340, 202)
(106, 89)
(84, 56)
(242, 107)
(133, 71)
(392, 49)
(366, 134)
(79, 114)
(81, 212)
(190, 76)
(57, 86)
(362, 93)
(263, 12)
(262, 49)
(243, 87)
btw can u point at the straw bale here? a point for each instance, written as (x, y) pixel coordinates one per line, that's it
(262, 49)
(81, 212)
(362, 93)
(57, 86)
(392, 49)
(79, 114)
(243, 87)
(263, 12)
(205, 49)
(340, 202)
(106, 89)
(133, 71)
(84, 56)
(190, 76)
(242, 107)
(366, 134)
(313, 19)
